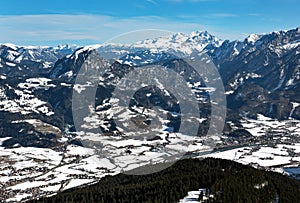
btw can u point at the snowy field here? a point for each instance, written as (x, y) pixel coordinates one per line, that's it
(28, 172)
(282, 156)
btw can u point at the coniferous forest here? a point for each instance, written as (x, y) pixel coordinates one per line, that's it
(226, 181)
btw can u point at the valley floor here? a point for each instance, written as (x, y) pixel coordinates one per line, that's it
(28, 172)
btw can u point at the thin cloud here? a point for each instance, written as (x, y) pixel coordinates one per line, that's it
(222, 15)
(81, 29)
(254, 14)
(151, 1)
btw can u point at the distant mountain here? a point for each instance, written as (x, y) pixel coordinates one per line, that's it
(30, 60)
(50, 55)
(180, 44)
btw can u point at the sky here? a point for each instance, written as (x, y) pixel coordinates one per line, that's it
(53, 22)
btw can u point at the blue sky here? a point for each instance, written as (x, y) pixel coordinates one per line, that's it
(38, 22)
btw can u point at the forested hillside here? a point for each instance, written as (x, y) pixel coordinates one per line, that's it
(226, 181)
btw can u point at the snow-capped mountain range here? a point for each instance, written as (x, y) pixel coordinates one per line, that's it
(44, 54)
(42, 152)
(179, 43)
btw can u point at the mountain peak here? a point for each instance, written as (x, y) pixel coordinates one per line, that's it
(10, 45)
(252, 38)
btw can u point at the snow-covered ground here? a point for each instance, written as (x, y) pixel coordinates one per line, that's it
(29, 172)
(263, 124)
(261, 156)
(282, 155)
(193, 196)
